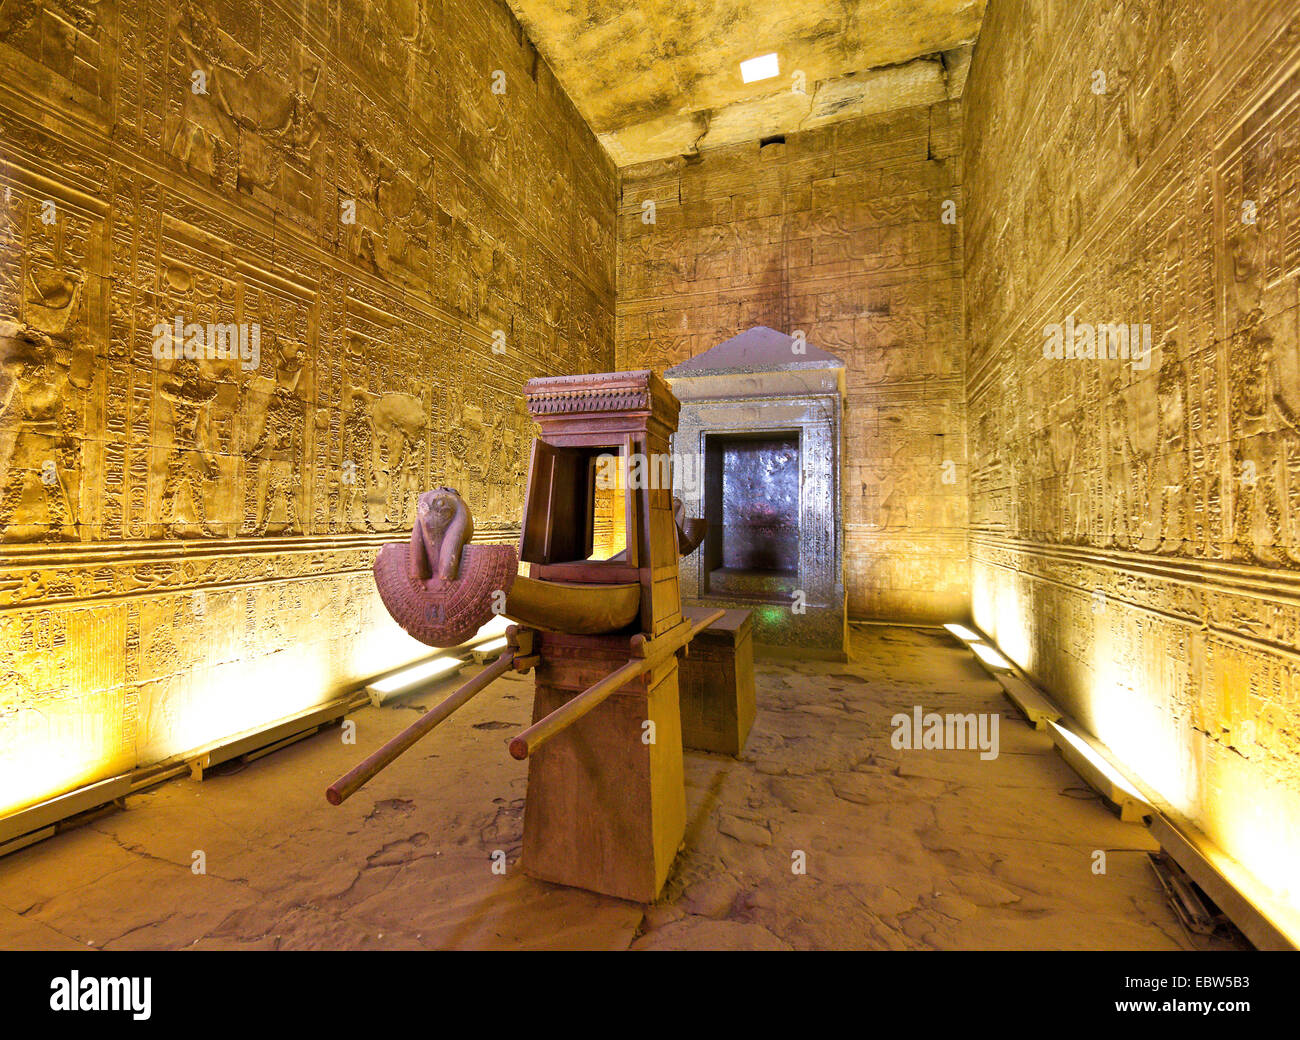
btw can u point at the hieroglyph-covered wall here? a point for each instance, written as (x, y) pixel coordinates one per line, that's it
(1136, 520)
(850, 234)
(373, 220)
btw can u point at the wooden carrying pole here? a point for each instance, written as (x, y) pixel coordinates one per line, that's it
(348, 784)
(646, 654)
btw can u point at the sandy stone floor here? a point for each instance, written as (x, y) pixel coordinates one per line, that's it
(904, 850)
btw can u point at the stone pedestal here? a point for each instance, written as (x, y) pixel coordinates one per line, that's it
(716, 681)
(606, 808)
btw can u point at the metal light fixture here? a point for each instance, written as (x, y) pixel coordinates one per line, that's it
(485, 652)
(408, 680)
(1100, 775)
(990, 656)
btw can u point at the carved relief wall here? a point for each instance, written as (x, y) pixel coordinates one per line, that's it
(372, 220)
(842, 233)
(1136, 520)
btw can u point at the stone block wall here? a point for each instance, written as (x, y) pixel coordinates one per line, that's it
(1135, 521)
(402, 203)
(840, 233)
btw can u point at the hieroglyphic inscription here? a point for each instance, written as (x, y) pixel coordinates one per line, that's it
(839, 233)
(1136, 524)
(394, 246)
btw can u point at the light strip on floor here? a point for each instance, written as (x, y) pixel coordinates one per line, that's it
(408, 680)
(496, 627)
(963, 633)
(1099, 773)
(484, 652)
(990, 656)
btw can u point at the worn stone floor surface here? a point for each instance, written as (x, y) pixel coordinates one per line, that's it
(903, 850)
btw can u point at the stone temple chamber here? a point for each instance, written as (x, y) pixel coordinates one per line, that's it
(651, 475)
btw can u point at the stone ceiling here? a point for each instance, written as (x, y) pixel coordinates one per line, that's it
(658, 78)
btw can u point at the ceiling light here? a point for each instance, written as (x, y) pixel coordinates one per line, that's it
(765, 66)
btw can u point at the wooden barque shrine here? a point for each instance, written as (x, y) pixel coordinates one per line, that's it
(606, 804)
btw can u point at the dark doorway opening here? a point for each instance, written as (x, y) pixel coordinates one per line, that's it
(751, 500)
